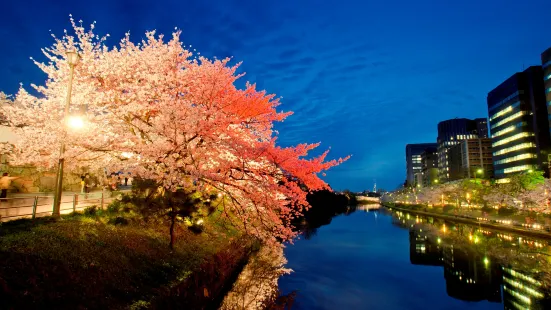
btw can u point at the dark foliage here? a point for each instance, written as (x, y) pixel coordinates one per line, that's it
(119, 220)
(90, 211)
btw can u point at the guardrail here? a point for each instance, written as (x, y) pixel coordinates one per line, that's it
(37, 206)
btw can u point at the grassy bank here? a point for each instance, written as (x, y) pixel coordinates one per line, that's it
(113, 260)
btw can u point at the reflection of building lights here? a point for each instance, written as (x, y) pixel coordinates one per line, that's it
(518, 295)
(521, 286)
(521, 276)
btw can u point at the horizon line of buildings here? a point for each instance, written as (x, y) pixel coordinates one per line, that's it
(515, 137)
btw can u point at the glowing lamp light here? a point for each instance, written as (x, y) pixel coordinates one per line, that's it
(75, 122)
(73, 58)
(199, 221)
(486, 261)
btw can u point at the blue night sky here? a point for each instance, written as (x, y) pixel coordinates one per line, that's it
(363, 77)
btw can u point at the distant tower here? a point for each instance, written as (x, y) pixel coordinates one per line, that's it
(374, 186)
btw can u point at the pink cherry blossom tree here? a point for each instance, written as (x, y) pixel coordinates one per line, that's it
(157, 110)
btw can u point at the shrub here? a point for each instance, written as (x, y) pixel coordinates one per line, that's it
(90, 211)
(196, 229)
(506, 211)
(119, 220)
(487, 209)
(114, 207)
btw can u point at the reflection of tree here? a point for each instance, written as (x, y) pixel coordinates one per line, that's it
(256, 287)
(283, 302)
(324, 206)
(309, 232)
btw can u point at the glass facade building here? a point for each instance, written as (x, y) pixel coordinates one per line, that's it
(452, 132)
(546, 66)
(413, 160)
(519, 124)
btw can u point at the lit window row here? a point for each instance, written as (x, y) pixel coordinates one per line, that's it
(506, 110)
(548, 90)
(514, 158)
(497, 105)
(515, 148)
(517, 168)
(508, 129)
(509, 118)
(518, 295)
(521, 276)
(519, 285)
(463, 137)
(547, 77)
(512, 138)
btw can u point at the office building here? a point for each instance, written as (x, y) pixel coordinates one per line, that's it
(546, 66)
(429, 166)
(471, 158)
(450, 133)
(413, 160)
(482, 127)
(519, 124)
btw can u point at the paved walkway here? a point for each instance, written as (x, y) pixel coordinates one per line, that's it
(22, 205)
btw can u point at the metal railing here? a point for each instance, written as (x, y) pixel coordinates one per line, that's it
(37, 206)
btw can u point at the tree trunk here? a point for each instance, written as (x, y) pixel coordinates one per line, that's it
(172, 223)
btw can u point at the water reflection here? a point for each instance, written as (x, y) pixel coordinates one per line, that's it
(473, 276)
(481, 268)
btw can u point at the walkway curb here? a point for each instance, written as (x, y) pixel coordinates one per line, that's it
(520, 231)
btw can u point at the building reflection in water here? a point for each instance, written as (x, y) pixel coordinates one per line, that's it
(468, 275)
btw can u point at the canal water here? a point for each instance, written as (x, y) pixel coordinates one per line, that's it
(390, 260)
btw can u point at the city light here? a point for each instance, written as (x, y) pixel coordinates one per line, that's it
(75, 122)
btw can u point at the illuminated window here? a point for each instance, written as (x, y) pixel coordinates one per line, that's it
(512, 138)
(514, 169)
(508, 129)
(514, 158)
(497, 105)
(515, 148)
(547, 77)
(509, 118)
(548, 90)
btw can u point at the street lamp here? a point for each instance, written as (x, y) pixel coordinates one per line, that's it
(479, 171)
(72, 59)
